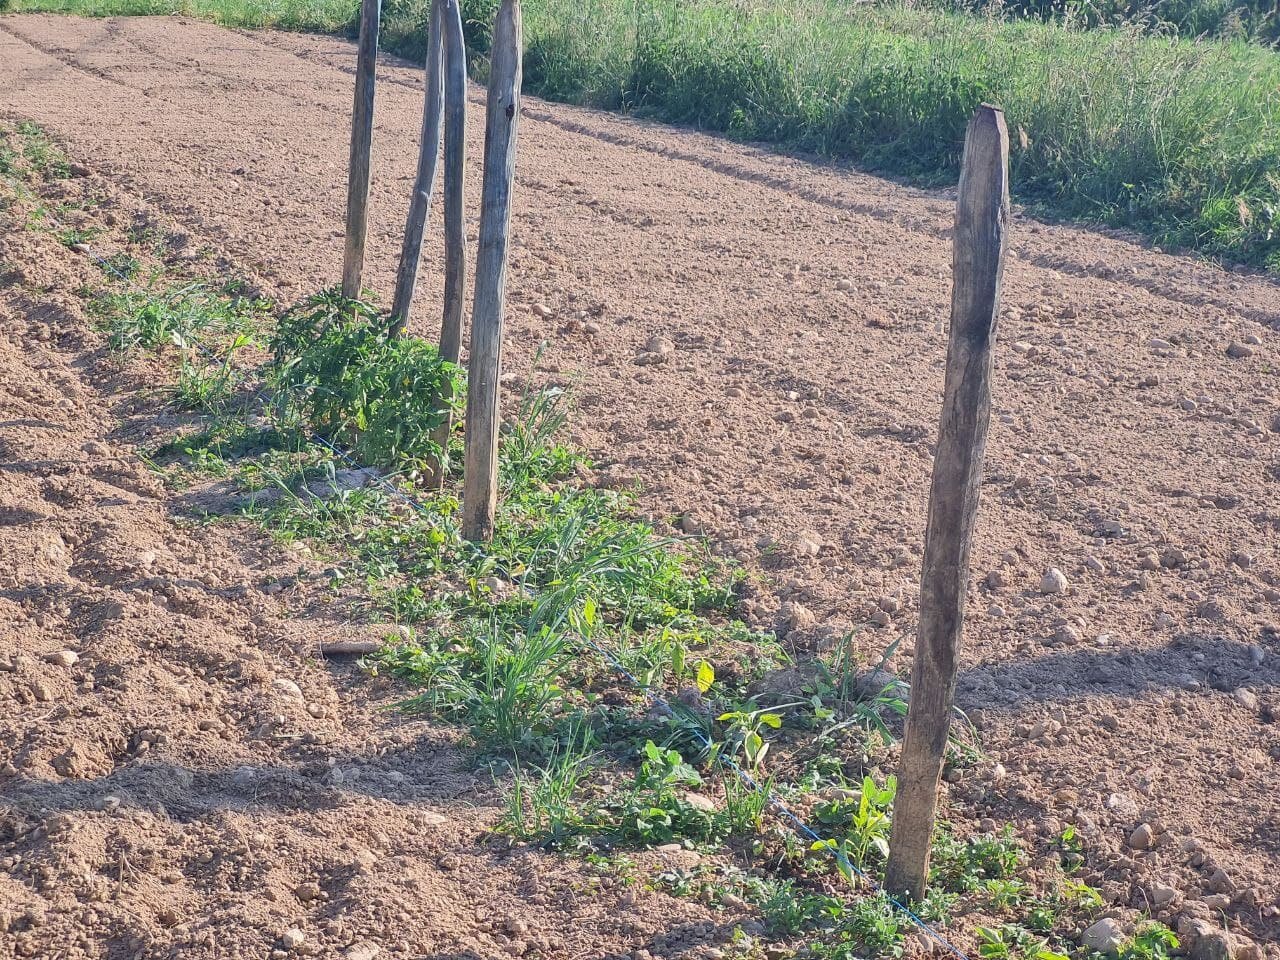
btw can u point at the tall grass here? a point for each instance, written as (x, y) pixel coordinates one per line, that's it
(1179, 139)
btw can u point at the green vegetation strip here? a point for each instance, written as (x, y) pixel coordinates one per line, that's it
(1177, 138)
(494, 637)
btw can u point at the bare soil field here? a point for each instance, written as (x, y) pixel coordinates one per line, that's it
(180, 786)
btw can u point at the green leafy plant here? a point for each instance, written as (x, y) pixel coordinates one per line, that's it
(1152, 941)
(967, 865)
(865, 824)
(341, 371)
(745, 732)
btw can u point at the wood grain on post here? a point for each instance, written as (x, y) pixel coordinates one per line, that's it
(480, 482)
(424, 183)
(455, 236)
(982, 216)
(358, 167)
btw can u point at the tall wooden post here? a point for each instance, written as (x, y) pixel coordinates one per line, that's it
(480, 483)
(425, 182)
(455, 235)
(982, 217)
(358, 168)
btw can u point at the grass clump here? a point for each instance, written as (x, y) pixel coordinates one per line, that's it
(153, 315)
(1177, 138)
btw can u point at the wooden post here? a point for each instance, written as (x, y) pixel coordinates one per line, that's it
(480, 483)
(982, 216)
(425, 183)
(455, 235)
(358, 168)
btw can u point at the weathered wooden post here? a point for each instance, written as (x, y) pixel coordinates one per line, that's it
(981, 227)
(358, 168)
(425, 182)
(455, 236)
(480, 483)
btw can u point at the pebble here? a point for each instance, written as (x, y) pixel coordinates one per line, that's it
(659, 345)
(1162, 895)
(1220, 882)
(1246, 698)
(292, 938)
(1238, 350)
(1105, 936)
(1067, 635)
(1054, 581)
(285, 685)
(844, 286)
(63, 658)
(542, 310)
(1143, 838)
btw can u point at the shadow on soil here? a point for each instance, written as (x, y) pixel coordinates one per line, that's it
(1190, 662)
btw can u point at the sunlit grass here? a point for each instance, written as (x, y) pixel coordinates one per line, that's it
(1177, 138)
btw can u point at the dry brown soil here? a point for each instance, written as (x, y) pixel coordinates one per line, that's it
(792, 424)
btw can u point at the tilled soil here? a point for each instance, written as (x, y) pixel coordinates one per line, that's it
(792, 423)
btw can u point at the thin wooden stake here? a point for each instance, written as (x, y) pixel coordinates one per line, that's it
(480, 483)
(982, 216)
(455, 236)
(425, 183)
(358, 169)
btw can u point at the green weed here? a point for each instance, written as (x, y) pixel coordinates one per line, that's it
(863, 824)
(181, 315)
(44, 156)
(339, 370)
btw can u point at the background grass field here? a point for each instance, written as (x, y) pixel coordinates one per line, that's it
(1178, 138)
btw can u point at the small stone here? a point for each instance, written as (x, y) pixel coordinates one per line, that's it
(292, 938)
(1054, 581)
(1238, 350)
(542, 310)
(362, 951)
(660, 346)
(808, 543)
(1067, 635)
(1105, 936)
(1162, 895)
(306, 892)
(1143, 838)
(796, 616)
(1212, 945)
(1246, 698)
(1220, 882)
(63, 658)
(1216, 901)
(844, 285)
(285, 685)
